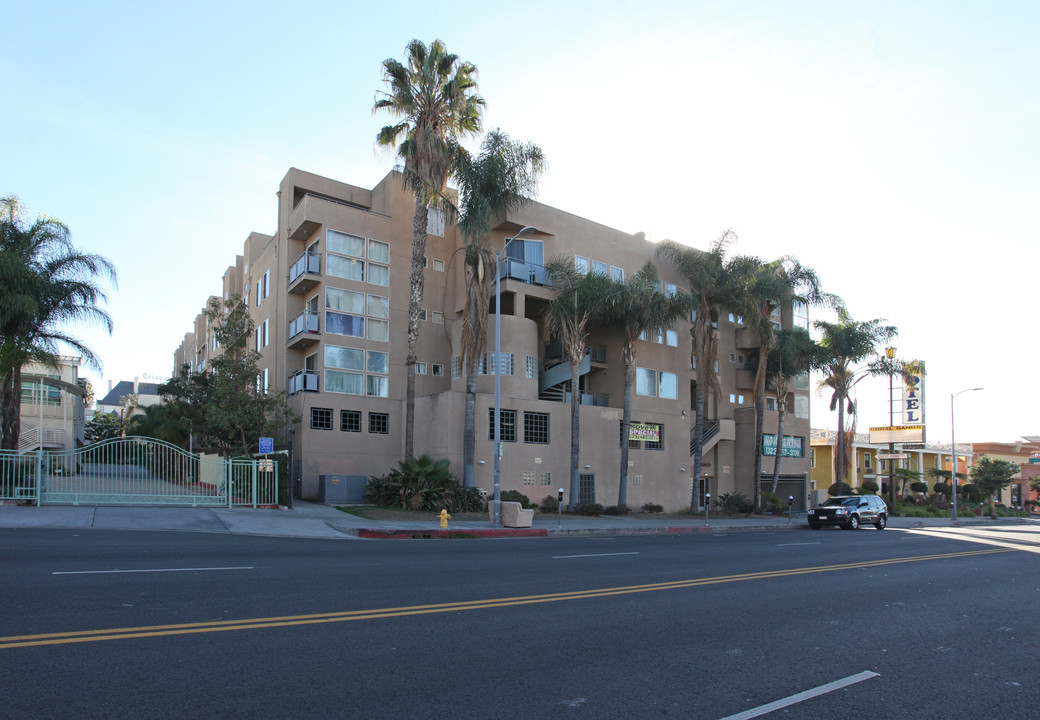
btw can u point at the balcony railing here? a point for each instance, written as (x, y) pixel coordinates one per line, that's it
(525, 272)
(303, 381)
(308, 263)
(305, 322)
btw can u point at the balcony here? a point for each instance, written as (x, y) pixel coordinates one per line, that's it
(525, 272)
(305, 273)
(746, 339)
(303, 381)
(303, 330)
(302, 221)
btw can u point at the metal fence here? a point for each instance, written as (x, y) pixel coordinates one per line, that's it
(136, 471)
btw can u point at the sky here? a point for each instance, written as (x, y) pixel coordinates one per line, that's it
(891, 146)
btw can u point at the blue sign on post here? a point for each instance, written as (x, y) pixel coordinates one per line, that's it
(266, 445)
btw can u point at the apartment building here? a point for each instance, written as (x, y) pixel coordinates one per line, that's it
(52, 409)
(329, 289)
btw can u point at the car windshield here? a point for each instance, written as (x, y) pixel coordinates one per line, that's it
(839, 502)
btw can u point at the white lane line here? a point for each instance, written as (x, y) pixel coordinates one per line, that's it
(802, 696)
(110, 572)
(567, 557)
(793, 544)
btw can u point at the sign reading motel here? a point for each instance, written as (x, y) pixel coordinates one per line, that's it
(897, 434)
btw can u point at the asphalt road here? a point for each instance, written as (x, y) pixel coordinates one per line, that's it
(893, 624)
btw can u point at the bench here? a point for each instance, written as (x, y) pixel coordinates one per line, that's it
(513, 514)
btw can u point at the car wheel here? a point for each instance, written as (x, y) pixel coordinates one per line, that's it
(814, 525)
(854, 522)
(882, 521)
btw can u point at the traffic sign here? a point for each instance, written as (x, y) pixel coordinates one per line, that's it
(266, 445)
(893, 456)
(913, 446)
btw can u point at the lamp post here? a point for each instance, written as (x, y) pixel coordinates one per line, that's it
(526, 230)
(890, 353)
(953, 455)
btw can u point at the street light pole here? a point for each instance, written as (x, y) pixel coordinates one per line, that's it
(953, 455)
(890, 353)
(497, 518)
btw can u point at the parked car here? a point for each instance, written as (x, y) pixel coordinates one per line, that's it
(850, 511)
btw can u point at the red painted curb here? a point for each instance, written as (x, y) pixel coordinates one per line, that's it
(449, 534)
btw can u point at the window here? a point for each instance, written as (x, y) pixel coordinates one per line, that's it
(581, 264)
(379, 274)
(378, 362)
(377, 386)
(670, 290)
(652, 383)
(528, 478)
(341, 324)
(379, 330)
(348, 383)
(632, 444)
(438, 317)
(800, 313)
(646, 382)
(532, 368)
(771, 404)
(801, 406)
(812, 458)
(438, 370)
(672, 338)
(378, 306)
(599, 268)
(506, 360)
(344, 244)
(266, 285)
(546, 479)
(435, 222)
(350, 421)
(669, 386)
(438, 265)
(321, 419)
(266, 384)
(343, 357)
(379, 423)
(265, 334)
(422, 315)
(379, 251)
(866, 461)
(347, 268)
(536, 428)
(456, 367)
(420, 368)
(617, 274)
(508, 430)
(657, 444)
(637, 480)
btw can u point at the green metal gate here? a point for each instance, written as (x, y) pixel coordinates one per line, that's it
(136, 471)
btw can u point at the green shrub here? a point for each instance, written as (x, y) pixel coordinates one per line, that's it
(942, 488)
(549, 504)
(919, 487)
(774, 503)
(652, 508)
(733, 503)
(616, 510)
(868, 486)
(423, 484)
(516, 496)
(839, 489)
(588, 509)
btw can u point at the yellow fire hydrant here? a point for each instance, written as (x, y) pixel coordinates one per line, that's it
(445, 517)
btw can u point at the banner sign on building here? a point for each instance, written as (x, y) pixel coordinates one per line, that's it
(897, 434)
(644, 431)
(913, 399)
(793, 446)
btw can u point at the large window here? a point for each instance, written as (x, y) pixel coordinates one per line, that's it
(536, 427)
(581, 264)
(800, 313)
(350, 421)
(345, 300)
(340, 324)
(379, 251)
(321, 418)
(344, 244)
(378, 423)
(657, 384)
(508, 425)
(346, 268)
(348, 383)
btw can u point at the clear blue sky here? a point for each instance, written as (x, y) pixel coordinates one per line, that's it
(892, 146)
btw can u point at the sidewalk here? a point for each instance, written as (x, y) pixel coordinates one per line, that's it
(312, 520)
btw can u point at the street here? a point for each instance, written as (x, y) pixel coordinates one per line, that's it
(867, 624)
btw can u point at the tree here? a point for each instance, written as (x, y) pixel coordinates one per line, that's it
(578, 300)
(843, 345)
(904, 476)
(225, 407)
(434, 96)
(45, 284)
(161, 422)
(792, 355)
(501, 178)
(772, 287)
(715, 282)
(102, 426)
(991, 476)
(127, 404)
(638, 306)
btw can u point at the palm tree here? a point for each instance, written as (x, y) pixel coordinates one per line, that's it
(715, 282)
(578, 299)
(45, 283)
(792, 355)
(843, 345)
(773, 286)
(434, 95)
(501, 178)
(636, 307)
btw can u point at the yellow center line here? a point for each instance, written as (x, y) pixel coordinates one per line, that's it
(21, 641)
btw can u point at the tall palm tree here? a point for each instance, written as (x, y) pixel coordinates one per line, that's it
(638, 306)
(793, 354)
(578, 301)
(773, 286)
(501, 178)
(434, 96)
(45, 283)
(844, 345)
(715, 282)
